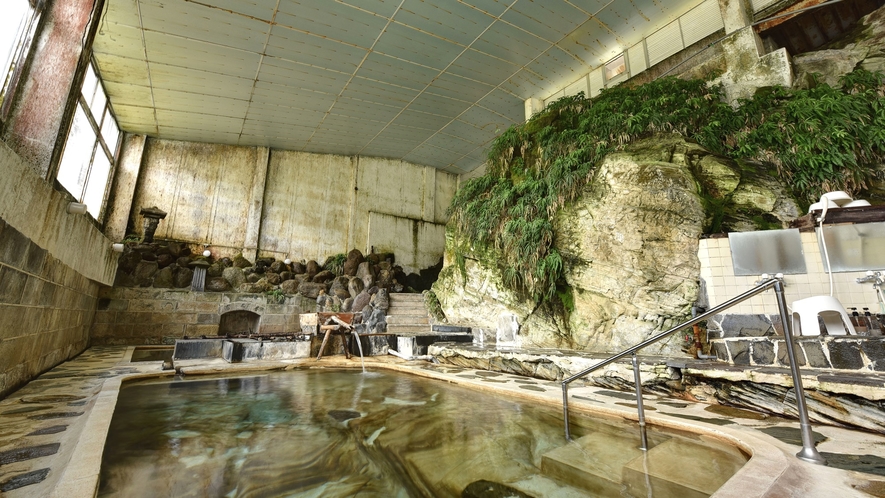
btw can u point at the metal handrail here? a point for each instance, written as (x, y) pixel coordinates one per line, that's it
(808, 453)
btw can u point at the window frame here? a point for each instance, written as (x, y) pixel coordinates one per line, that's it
(111, 151)
(621, 76)
(20, 59)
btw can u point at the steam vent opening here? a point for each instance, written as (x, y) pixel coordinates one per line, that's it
(239, 322)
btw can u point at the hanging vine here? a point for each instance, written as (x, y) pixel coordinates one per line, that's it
(819, 139)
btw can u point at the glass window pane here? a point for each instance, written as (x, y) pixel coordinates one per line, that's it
(615, 67)
(78, 152)
(110, 131)
(13, 26)
(98, 181)
(90, 82)
(98, 102)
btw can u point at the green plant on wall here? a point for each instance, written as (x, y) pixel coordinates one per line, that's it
(335, 264)
(275, 296)
(819, 139)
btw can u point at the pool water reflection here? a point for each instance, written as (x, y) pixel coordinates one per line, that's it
(344, 433)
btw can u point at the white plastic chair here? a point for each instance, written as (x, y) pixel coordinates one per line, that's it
(829, 308)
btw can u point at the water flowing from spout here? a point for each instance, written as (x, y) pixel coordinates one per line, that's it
(356, 339)
(198, 283)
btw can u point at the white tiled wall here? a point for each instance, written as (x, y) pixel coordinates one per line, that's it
(722, 284)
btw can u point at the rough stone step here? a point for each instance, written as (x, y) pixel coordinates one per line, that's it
(592, 463)
(408, 329)
(663, 466)
(407, 307)
(408, 312)
(407, 320)
(403, 298)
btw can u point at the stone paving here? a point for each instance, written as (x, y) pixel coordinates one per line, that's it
(52, 431)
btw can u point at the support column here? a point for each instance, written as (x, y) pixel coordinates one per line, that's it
(736, 14)
(123, 190)
(532, 107)
(256, 204)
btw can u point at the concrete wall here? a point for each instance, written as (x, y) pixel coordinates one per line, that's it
(159, 316)
(46, 310)
(287, 204)
(51, 262)
(204, 188)
(51, 265)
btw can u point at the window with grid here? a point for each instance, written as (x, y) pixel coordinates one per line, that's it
(91, 147)
(18, 23)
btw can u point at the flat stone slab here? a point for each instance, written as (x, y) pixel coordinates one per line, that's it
(23, 480)
(22, 454)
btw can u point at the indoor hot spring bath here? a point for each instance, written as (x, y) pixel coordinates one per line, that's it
(383, 433)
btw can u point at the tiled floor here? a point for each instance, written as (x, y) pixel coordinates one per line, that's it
(53, 429)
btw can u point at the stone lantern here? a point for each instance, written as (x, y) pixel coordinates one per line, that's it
(152, 217)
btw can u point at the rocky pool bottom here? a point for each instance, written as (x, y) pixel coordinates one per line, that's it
(382, 433)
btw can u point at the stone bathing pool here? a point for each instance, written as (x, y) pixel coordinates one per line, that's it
(95, 379)
(382, 433)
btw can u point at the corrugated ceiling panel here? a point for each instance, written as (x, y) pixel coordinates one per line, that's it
(663, 43)
(199, 22)
(443, 106)
(261, 9)
(120, 40)
(137, 95)
(450, 20)
(702, 21)
(409, 44)
(450, 85)
(511, 43)
(549, 19)
(332, 21)
(760, 4)
(458, 128)
(577, 87)
(380, 67)
(482, 67)
(415, 119)
(319, 52)
(124, 69)
(596, 81)
(636, 58)
(505, 103)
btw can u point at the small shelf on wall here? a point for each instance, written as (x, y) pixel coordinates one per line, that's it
(859, 214)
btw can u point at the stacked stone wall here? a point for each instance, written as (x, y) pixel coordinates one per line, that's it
(46, 309)
(160, 316)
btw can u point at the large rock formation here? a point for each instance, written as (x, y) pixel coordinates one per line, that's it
(629, 244)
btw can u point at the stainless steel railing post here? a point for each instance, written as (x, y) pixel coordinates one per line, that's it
(808, 453)
(643, 436)
(568, 436)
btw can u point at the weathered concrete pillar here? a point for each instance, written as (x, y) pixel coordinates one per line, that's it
(256, 204)
(125, 180)
(748, 68)
(736, 14)
(42, 99)
(532, 107)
